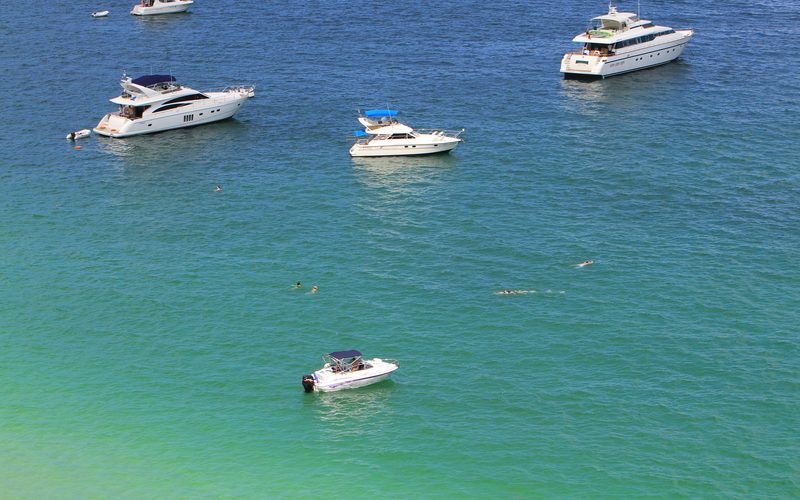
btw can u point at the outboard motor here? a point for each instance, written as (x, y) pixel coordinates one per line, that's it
(308, 383)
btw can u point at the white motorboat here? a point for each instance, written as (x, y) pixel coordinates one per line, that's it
(347, 370)
(79, 134)
(384, 135)
(154, 103)
(620, 42)
(152, 7)
(100, 13)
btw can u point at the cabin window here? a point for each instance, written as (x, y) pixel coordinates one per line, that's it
(171, 106)
(193, 97)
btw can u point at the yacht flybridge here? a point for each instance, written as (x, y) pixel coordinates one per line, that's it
(154, 103)
(347, 370)
(384, 135)
(152, 7)
(620, 42)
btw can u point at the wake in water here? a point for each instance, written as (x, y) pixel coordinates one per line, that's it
(523, 292)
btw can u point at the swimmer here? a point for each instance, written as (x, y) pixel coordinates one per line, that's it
(72, 136)
(586, 263)
(314, 289)
(297, 285)
(217, 189)
(511, 292)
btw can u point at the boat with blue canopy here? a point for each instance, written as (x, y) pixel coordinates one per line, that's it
(385, 135)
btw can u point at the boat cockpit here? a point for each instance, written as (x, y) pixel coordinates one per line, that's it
(345, 361)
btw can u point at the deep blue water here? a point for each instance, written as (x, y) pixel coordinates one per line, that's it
(151, 344)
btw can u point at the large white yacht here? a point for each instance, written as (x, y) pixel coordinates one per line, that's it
(152, 7)
(620, 42)
(154, 103)
(384, 135)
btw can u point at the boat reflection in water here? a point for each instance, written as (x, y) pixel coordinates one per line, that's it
(399, 171)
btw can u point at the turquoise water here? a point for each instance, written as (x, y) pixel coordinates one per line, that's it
(151, 344)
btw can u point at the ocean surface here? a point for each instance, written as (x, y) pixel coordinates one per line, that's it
(151, 343)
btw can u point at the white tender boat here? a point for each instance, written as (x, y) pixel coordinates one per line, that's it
(79, 134)
(152, 7)
(384, 135)
(154, 103)
(347, 370)
(100, 13)
(620, 42)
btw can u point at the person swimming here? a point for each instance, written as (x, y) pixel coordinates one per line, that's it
(217, 189)
(586, 263)
(298, 285)
(314, 289)
(511, 292)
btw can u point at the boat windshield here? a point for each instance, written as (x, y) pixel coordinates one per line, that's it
(346, 363)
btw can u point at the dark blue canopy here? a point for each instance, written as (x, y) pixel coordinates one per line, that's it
(344, 354)
(380, 112)
(150, 80)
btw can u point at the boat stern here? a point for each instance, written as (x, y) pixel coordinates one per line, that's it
(579, 65)
(113, 125)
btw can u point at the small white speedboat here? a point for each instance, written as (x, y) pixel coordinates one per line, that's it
(347, 370)
(79, 134)
(100, 13)
(384, 135)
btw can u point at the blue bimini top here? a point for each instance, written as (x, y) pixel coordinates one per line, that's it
(345, 354)
(150, 80)
(373, 113)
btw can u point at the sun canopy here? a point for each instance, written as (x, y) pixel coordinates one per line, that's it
(150, 80)
(359, 133)
(344, 354)
(374, 113)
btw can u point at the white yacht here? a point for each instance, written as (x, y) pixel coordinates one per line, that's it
(154, 103)
(152, 7)
(384, 135)
(620, 42)
(347, 370)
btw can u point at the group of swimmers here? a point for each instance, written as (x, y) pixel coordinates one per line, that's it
(518, 292)
(314, 289)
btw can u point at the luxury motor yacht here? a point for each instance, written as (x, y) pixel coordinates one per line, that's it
(152, 7)
(620, 42)
(384, 135)
(154, 103)
(347, 370)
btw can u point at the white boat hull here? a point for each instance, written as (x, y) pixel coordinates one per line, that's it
(221, 106)
(102, 13)
(586, 66)
(389, 147)
(325, 380)
(162, 8)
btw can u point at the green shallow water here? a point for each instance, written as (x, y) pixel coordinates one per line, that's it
(151, 344)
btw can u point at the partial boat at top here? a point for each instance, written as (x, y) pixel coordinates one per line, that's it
(384, 135)
(154, 103)
(620, 42)
(152, 7)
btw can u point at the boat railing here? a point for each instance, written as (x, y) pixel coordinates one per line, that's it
(595, 53)
(437, 131)
(246, 88)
